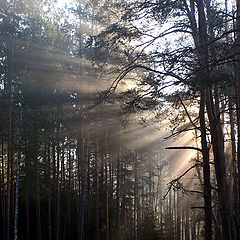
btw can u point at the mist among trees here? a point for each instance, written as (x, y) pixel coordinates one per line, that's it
(120, 120)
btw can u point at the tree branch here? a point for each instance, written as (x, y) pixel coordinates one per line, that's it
(187, 148)
(178, 178)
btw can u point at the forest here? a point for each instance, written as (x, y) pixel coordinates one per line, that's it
(120, 120)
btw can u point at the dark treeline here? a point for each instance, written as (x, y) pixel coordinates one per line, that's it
(86, 94)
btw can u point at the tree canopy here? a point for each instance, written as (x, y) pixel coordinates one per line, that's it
(120, 120)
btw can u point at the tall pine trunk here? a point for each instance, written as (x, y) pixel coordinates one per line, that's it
(215, 125)
(96, 183)
(9, 155)
(57, 217)
(18, 172)
(118, 196)
(206, 172)
(106, 188)
(84, 163)
(237, 94)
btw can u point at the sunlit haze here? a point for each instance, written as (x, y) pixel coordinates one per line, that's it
(119, 120)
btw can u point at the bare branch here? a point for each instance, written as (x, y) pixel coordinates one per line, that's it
(188, 115)
(171, 184)
(187, 147)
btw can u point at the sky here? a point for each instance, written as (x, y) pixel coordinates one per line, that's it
(61, 3)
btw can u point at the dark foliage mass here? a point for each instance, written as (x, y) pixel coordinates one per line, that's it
(89, 92)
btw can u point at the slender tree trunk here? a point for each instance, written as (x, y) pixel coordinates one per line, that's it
(67, 218)
(187, 234)
(124, 200)
(96, 183)
(206, 172)
(106, 188)
(233, 166)
(170, 214)
(9, 156)
(3, 186)
(135, 198)
(198, 168)
(88, 207)
(27, 218)
(118, 196)
(193, 225)
(237, 94)
(49, 219)
(49, 194)
(1, 190)
(79, 147)
(198, 230)
(83, 181)
(12, 194)
(38, 208)
(18, 173)
(178, 217)
(57, 217)
(183, 219)
(54, 172)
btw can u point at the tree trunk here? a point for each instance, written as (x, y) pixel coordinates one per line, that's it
(96, 183)
(83, 180)
(38, 211)
(27, 218)
(9, 155)
(106, 188)
(237, 94)
(49, 194)
(178, 234)
(187, 234)
(18, 173)
(233, 166)
(206, 172)
(135, 198)
(220, 170)
(67, 218)
(57, 216)
(118, 196)
(3, 186)
(215, 125)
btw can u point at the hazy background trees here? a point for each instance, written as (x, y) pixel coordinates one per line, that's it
(93, 93)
